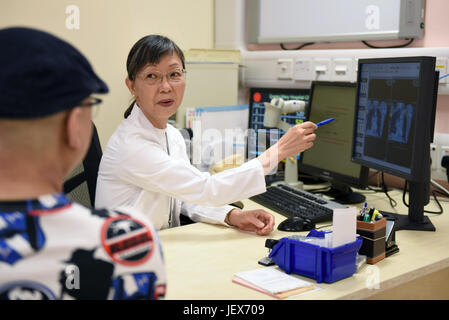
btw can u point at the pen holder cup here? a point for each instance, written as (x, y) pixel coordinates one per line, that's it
(373, 235)
(316, 262)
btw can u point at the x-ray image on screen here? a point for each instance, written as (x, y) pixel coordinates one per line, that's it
(376, 116)
(388, 117)
(408, 86)
(400, 122)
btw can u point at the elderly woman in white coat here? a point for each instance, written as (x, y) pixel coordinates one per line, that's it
(145, 163)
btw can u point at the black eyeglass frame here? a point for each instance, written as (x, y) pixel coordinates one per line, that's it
(94, 102)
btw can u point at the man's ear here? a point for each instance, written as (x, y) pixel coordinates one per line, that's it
(130, 85)
(74, 127)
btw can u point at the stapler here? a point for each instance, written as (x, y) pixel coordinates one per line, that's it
(265, 261)
(390, 240)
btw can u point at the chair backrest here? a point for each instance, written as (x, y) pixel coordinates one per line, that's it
(81, 184)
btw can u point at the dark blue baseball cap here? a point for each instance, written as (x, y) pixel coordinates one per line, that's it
(41, 74)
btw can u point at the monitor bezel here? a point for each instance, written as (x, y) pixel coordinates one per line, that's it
(420, 162)
(360, 182)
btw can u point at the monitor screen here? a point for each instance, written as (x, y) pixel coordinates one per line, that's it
(387, 115)
(261, 138)
(330, 156)
(395, 113)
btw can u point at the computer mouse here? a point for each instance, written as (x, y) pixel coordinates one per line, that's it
(296, 224)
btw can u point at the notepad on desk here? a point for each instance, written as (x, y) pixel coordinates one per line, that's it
(273, 282)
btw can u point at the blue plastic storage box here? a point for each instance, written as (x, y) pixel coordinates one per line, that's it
(319, 263)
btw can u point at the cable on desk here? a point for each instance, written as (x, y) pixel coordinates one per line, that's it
(393, 202)
(374, 189)
(434, 196)
(444, 192)
(442, 200)
(379, 188)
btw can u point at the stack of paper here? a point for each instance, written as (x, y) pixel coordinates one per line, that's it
(273, 282)
(344, 223)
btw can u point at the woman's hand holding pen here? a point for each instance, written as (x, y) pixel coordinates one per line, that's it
(296, 140)
(299, 138)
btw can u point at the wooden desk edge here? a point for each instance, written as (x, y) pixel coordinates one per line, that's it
(397, 281)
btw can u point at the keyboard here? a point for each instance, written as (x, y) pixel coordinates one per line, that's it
(290, 201)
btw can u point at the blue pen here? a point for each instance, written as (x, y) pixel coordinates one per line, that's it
(362, 212)
(319, 124)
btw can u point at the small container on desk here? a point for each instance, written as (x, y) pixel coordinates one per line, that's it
(316, 262)
(373, 235)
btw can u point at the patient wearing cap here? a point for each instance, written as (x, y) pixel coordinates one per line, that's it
(51, 248)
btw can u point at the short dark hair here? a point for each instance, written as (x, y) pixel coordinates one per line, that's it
(149, 49)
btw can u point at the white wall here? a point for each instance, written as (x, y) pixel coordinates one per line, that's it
(107, 31)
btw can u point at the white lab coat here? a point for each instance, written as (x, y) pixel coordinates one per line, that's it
(136, 170)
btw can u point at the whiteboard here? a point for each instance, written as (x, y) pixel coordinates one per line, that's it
(280, 21)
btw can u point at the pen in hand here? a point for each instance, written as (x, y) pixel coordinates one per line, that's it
(319, 124)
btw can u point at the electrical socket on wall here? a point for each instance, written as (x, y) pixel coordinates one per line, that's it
(438, 149)
(271, 68)
(434, 156)
(303, 69)
(322, 69)
(343, 70)
(441, 65)
(284, 69)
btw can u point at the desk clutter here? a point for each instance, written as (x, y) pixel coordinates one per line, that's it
(373, 235)
(372, 215)
(273, 282)
(326, 256)
(312, 257)
(329, 256)
(378, 233)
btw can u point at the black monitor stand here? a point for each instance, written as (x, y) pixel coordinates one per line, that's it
(415, 220)
(342, 193)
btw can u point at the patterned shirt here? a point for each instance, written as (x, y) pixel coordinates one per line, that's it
(51, 248)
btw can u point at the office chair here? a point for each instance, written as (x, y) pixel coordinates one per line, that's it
(187, 134)
(81, 184)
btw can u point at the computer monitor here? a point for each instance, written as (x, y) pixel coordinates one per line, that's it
(261, 138)
(395, 114)
(330, 156)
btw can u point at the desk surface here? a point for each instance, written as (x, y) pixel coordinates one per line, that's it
(201, 259)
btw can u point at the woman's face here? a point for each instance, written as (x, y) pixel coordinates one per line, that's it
(159, 99)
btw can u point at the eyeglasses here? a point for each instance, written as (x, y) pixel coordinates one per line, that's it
(155, 77)
(94, 103)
